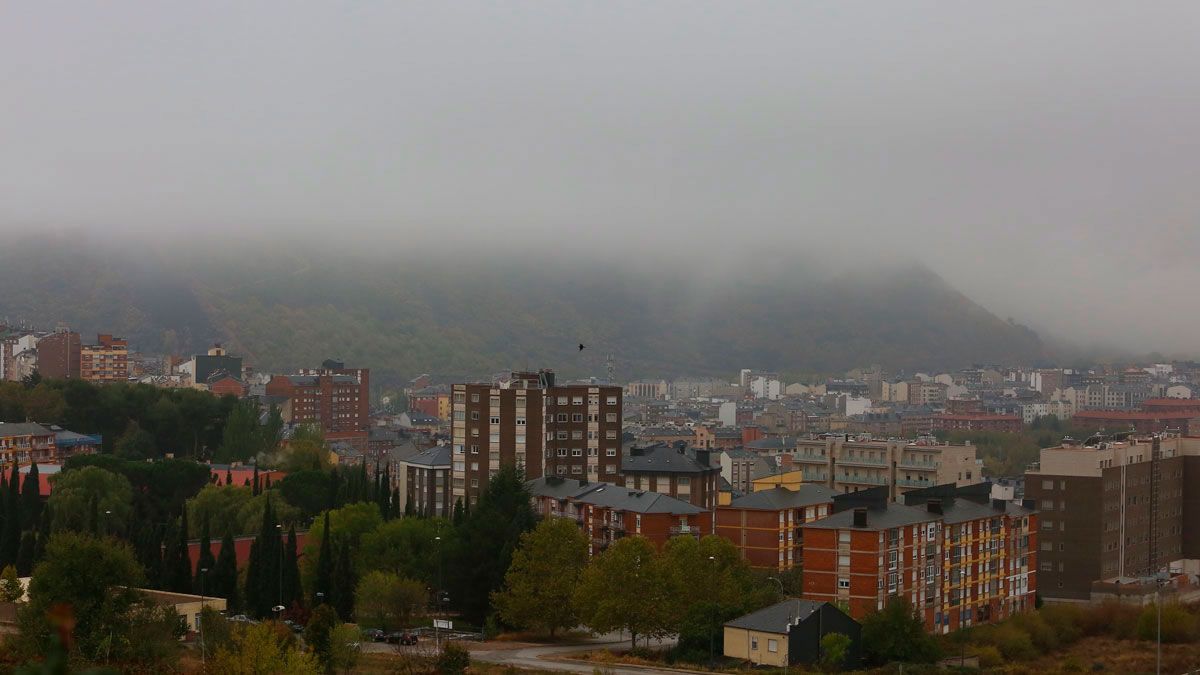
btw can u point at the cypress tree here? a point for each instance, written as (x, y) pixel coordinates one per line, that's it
(409, 511)
(26, 552)
(267, 482)
(10, 536)
(228, 476)
(321, 588)
(43, 535)
(256, 490)
(253, 590)
(177, 564)
(458, 512)
(292, 593)
(344, 582)
(224, 574)
(205, 559)
(395, 507)
(31, 499)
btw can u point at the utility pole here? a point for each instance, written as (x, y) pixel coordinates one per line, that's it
(203, 647)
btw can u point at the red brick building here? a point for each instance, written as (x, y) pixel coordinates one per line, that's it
(26, 442)
(714, 437)
(336, 398)
(977, 422)
(58, 355)
(607, 512)
(1153, 421)
(105, 361)
(765, 526)
(960, 563)
(227, 385)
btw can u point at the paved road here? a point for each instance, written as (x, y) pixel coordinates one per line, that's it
(534, 657)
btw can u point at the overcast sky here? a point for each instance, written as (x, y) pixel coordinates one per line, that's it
(1043, 156)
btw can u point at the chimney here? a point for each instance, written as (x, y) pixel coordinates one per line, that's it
(999, 505)
(702, 457)
(860, 517)
(934, 506)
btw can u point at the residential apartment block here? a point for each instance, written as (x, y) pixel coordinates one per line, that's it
(527, 420)
(959, 562)
(426, 479)
(334, 397)
(607, 512)
(1121, 506)
(847, 464)
(688, 475)
(105, 361)
(58, 355)
(765, 525)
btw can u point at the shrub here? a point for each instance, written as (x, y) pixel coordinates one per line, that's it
(454, 659)
(834, 648)
(1040, 633)
(1014, 643)
(1065, 620)
(989, 656)
(1110, 618)
(1178, 625)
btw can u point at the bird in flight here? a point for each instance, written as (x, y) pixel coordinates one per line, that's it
(581, 346)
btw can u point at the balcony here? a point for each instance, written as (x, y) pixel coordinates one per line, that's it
(861, 462)
(810, 459)
(862, 480)
(811, 476)
(685, 530)
(904, 482)
(919, 466)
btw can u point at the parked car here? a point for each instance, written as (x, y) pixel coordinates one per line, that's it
(374, 635)
(402, 638)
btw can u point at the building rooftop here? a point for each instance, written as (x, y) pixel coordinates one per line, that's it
(437, 456)
(780, 498)
(662, 458)
(8, 429)
(894, 515)
(778, 617)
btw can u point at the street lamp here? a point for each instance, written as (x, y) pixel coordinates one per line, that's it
(712, 631)
(280, 528)
(107, 513)
(203, 574)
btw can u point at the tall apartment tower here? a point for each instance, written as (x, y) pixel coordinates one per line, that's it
(526, 420)
(58, 355)
(1115, 507)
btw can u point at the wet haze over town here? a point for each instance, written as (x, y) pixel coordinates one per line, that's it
(1042, 157)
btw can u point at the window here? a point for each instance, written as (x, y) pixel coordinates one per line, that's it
(562, 417)
(474, 449)
(892, 557)
(562, 435)
(1047, 485)
(493, 420)
(610, 452)
(753, 643)
(474, 415)
(576, 452)
(475, 431)
(843, 583)
(562, 452)
(577, 435)
(520, 421)
(610, 434)
(576, 400)
(683, 480)
(562, 400)
(610, 469)
(610, 417)
(843, 561)
(577, 417)
(458, 448)
(772, 645)
(843, 536)
(474, 398)
(612, 400)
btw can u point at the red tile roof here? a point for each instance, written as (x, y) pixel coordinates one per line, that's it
(241, 547)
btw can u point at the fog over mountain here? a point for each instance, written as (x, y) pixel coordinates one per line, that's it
(1041, 159)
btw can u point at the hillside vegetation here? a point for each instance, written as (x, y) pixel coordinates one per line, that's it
(285, 309)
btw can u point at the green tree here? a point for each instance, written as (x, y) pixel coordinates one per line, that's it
(79, 495)
(31, 499)
(344, 648)
(541, 581)
(388, 601)
(135, 443)
(260, 649)
(323, 582)
(10, 586)
(306, 451)
(318, 631)
(220, 506)
(406, 546)
(243, 436)
(352, 522)
(486, 541)
(835, 647)
(454, 659)
(897, 633)
(205, 561)
(627, 587)
(223, 577)
(345, 580)
(10, 527)
(96, 579)
(308, 491)
(292, 593)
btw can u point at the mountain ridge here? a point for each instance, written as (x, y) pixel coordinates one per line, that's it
(294, 307)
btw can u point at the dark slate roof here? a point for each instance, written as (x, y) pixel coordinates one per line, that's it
(779, 498)
(895, 515)
(778, 617)
(773, 443)
(23, 429)
(437, 456)
(610, 496)
(637, 501)
(665, 459)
